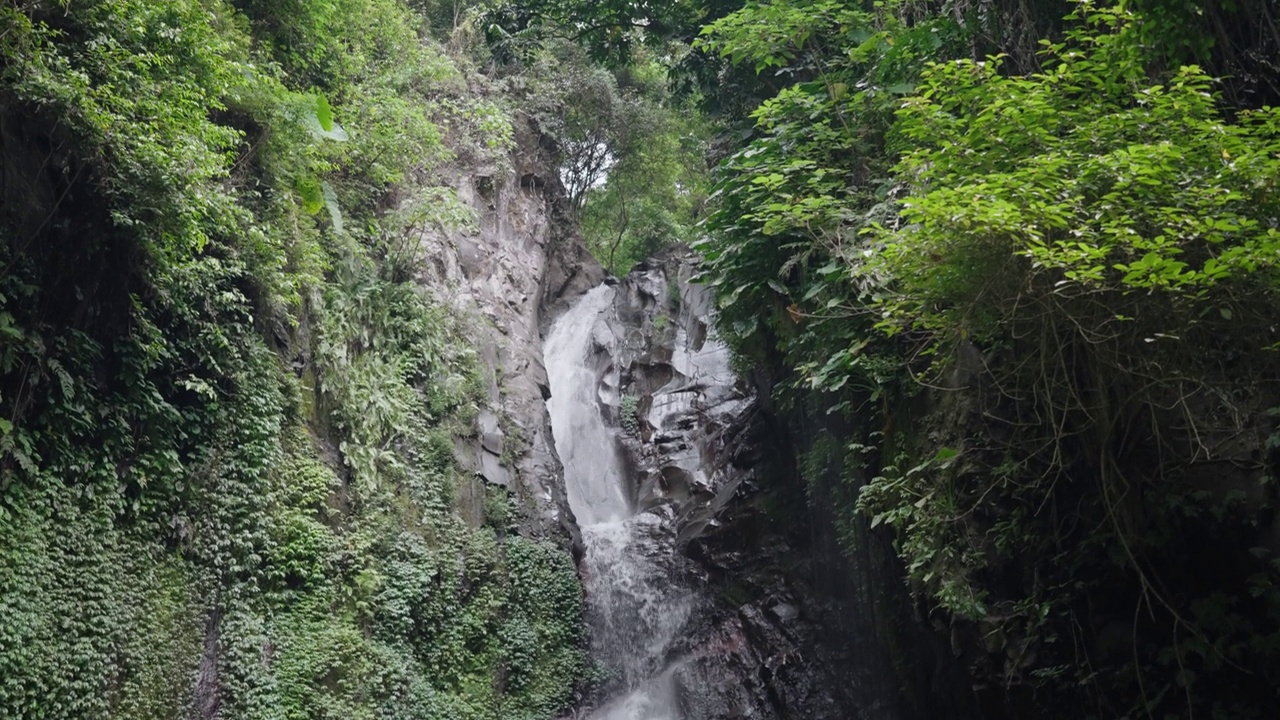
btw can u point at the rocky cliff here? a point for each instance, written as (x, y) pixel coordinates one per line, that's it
(782, 625)
(508, 272)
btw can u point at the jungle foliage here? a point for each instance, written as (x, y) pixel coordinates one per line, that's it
(1029, 265)
(631, 154)
(227, 484)
(1022, 255)
(653, 194)
(632, 149)
(1019, 255)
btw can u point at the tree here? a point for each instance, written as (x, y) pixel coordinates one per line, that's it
(631, 155)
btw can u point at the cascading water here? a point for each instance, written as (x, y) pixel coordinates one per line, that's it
(700, 604)
(635, 606)
(593, 475)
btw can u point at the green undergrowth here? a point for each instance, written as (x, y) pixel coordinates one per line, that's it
(227, 483)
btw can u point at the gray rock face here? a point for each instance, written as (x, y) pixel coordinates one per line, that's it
(761, 632)
(775, 623)
(746, 642)
(752, 652)
(515, 260)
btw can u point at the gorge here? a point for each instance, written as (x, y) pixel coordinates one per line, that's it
(619, 360)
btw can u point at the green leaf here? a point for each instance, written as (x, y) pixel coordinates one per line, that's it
(317, 118)
(324, 113)
(945, 454)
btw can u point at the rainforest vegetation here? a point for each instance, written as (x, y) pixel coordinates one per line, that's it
(227, 474)
(1015, 264)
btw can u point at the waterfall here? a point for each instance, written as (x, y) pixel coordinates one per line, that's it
(636, 607)
(592, 473)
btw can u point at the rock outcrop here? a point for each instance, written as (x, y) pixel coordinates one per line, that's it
(516, 260)
(781, 625)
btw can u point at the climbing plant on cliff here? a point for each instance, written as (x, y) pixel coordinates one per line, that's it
(631, 160)
(653, 194)
(815, 170)
(227, 486)
(1088, 179)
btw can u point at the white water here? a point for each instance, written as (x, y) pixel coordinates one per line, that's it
(592, 473)
(655, 700)
(635, 608)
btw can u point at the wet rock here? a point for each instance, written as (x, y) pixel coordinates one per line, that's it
(493, 471)
(682, 417)
(492, 442)
(785, 612)
(769, 637)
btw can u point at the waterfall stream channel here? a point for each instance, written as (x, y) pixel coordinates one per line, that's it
(708, 594)
(637, 606)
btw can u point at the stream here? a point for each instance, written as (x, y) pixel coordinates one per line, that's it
(636, 606)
